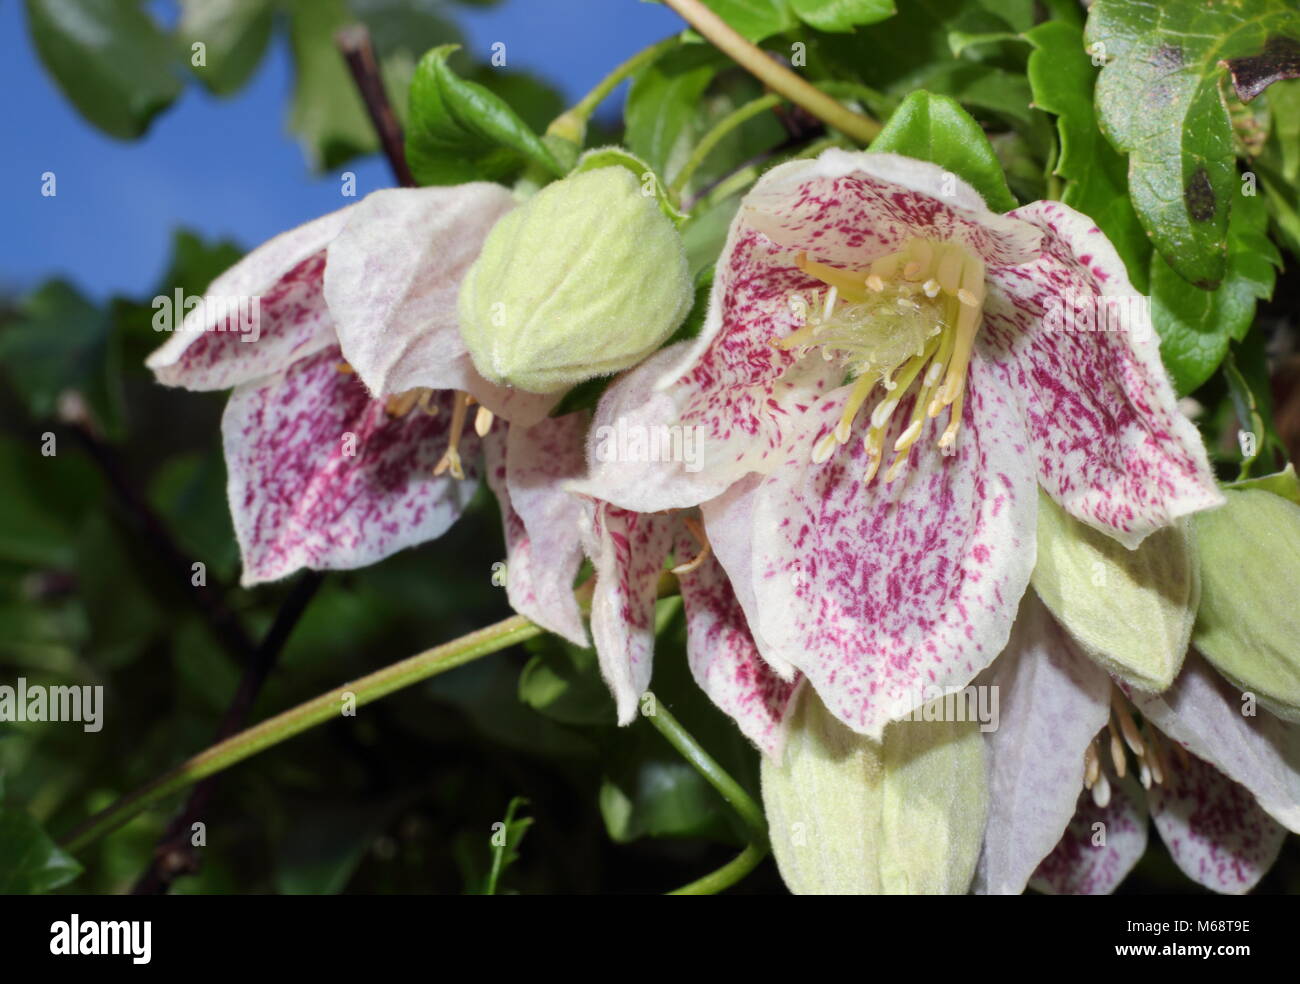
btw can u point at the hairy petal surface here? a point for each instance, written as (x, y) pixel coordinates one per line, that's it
(527, 468)
(1051, 704)
(1215, 831)
(877, 592)
(1207, 716)
(628, 551)
(322, 477)
(391, 283)
(1100, 846)
(1112, 447)
(723, 657)
(212, 349)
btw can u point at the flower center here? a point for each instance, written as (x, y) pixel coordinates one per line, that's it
(905, 324)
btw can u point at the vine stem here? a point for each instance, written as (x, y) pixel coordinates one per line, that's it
(740, 115)
(572, 123)
(773, 74)
(730, 790)
(296, 720)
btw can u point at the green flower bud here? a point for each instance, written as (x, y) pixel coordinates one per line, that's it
(849, 816)
(1248, 624)
(586, 278)
(1129, 610)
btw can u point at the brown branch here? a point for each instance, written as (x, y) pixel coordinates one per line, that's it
(176, 854)
(354, 43)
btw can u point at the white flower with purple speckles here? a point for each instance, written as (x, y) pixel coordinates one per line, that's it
(1073, 776)
(882, 386)
(346, 434)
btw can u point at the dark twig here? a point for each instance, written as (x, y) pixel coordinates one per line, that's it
(354, 42)
(176, 854)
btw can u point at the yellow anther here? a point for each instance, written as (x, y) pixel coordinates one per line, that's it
(483, 421)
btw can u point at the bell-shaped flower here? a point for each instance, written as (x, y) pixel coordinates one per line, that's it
(357, 419)
(887, 374)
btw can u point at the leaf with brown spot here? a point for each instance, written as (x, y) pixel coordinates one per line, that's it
(1251, 75)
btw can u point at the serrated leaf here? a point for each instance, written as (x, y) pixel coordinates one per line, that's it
(1195, 325)
(935, 128)
(1062, 78)
(30, 862)
(1159, 101)
(110, 59)
(461, 131)
(234, 35)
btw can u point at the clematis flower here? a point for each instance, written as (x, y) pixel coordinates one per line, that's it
(886, 376)
(347, 434)
(1073, 776)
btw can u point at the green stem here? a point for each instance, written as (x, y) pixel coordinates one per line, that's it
(298, 719)
(746, 176)
(730, 790)
(726, 876)
(711, 139)
(572, 123)
(773, 74)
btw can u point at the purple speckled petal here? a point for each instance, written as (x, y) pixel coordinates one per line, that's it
(526, 468)
(1213, 827)
(1204, 713)
(1112, 447)
(628, 551)
(299, 499)
(1052, 702)
(391, 283)
(212, 350)
(876, 592)
(1085, 864)
(723, 657)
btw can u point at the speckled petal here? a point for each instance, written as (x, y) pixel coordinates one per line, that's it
(1052, 701)
(628, 551)
(1100, 847)
(285, 275)
(391, 283)
(1204, 713)
(299, 499)
(526, 468)
(876, 592)
(1112, 447)
(723, 657)
(1213, 827)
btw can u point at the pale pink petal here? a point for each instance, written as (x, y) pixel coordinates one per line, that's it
(723, 657)
(1051, 703)
(299, 498)
(1112, 447)
(628, 551)
(213, 349)
(1206, 714)
(1214, 829)
(527, 468)
(393, 276)
(1100, 847)
(876, 592)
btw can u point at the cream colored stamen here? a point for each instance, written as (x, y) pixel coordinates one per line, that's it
(450, 460)
(483, 421)
(696, 529)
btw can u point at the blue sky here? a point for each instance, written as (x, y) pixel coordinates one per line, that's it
(229, 168)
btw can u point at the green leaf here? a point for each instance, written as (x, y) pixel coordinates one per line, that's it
(110, 59)
(935, 128)
(1196, 325)
(460, 131)
(841, 15)
(756, 19)
(1159, 101)
(1284, 109)
(234, 35)
(62, 343)
(563, 682)
(30, 862)
(1284, 483)
(327, 114)
(505, 843)
(663, 100)
(1062, 78)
